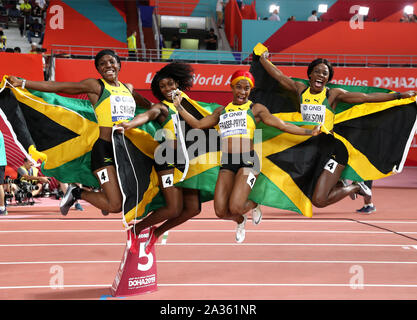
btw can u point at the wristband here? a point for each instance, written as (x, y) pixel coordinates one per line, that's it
(23, 83)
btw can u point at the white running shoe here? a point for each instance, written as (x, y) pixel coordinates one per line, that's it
(67, 200)
(256, 215)
(240, 230)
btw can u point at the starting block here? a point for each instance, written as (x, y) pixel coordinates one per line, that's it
(137, 270)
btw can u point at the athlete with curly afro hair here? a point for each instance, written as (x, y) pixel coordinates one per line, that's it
(181, 204)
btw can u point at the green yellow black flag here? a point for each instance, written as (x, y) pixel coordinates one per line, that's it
(61, 132)
(376, 135)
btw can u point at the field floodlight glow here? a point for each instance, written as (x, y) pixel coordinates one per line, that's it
(322, 8)
(272, 8)
(408, 9)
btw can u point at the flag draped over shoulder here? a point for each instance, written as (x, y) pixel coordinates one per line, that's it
(273, 186)
(61, 132)
(376, 135)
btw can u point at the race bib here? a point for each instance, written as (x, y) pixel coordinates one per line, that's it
(233, 123)
(122, 107)
(313, 113)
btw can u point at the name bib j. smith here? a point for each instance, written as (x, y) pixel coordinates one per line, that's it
(233, 123)
(313, 113)
(122, 107)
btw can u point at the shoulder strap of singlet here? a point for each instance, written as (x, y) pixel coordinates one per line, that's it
(101, 82)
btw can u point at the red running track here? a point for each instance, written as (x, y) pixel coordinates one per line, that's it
(337, 254)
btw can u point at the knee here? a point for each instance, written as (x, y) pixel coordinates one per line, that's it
(319, 202)
(236, 208)
(192, 212)
(115, 207)
(221, 212)
(175, 210)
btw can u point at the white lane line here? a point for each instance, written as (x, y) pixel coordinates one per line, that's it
(278, 220)
(404, 246)
(60, 244)
(58, 231)
(345, 285)
(164, 238)
(10, 219)
(213, 261)
(212, 231)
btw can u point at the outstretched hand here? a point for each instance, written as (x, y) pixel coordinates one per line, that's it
(15, 81)
(316, 131)
(176, 98)
(408, 94)
(265, 55)
(124, 126)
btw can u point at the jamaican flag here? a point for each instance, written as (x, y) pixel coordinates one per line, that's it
(61, 132)
(273, 185)
(376, 135)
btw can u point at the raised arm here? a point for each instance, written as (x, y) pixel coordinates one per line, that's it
(277, 74)
(89, 86)
(207, 122)
(340, 95)
(262, 113)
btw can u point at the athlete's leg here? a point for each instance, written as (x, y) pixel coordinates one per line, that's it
(328, 191)
(173, 203)
(244, 181)
(191, 208)
(110, 198)
(224, 187)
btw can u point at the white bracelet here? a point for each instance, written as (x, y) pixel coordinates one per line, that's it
(23, 83)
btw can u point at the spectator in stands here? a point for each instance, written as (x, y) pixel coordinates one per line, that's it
(43, 5)
(413, 18)
(313, 16)
(131, 46)
(35, 30)
(25, 8)
(368, 206)
(33, 47)
(211, 40)
(405, 18)
(239, 3)
(28, 173)
(292, 18)
(3, 163)
(219, 12)
(3, 40)
(176, 42)
(274, 16)
(17, 50)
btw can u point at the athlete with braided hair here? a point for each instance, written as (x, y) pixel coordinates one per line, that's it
(113, 102)
(239, 163)
(328, 189)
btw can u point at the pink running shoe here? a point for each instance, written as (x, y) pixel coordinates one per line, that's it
(151, 240)
(134, 246)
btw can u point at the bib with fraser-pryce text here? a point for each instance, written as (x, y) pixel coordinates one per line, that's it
(233, 123)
